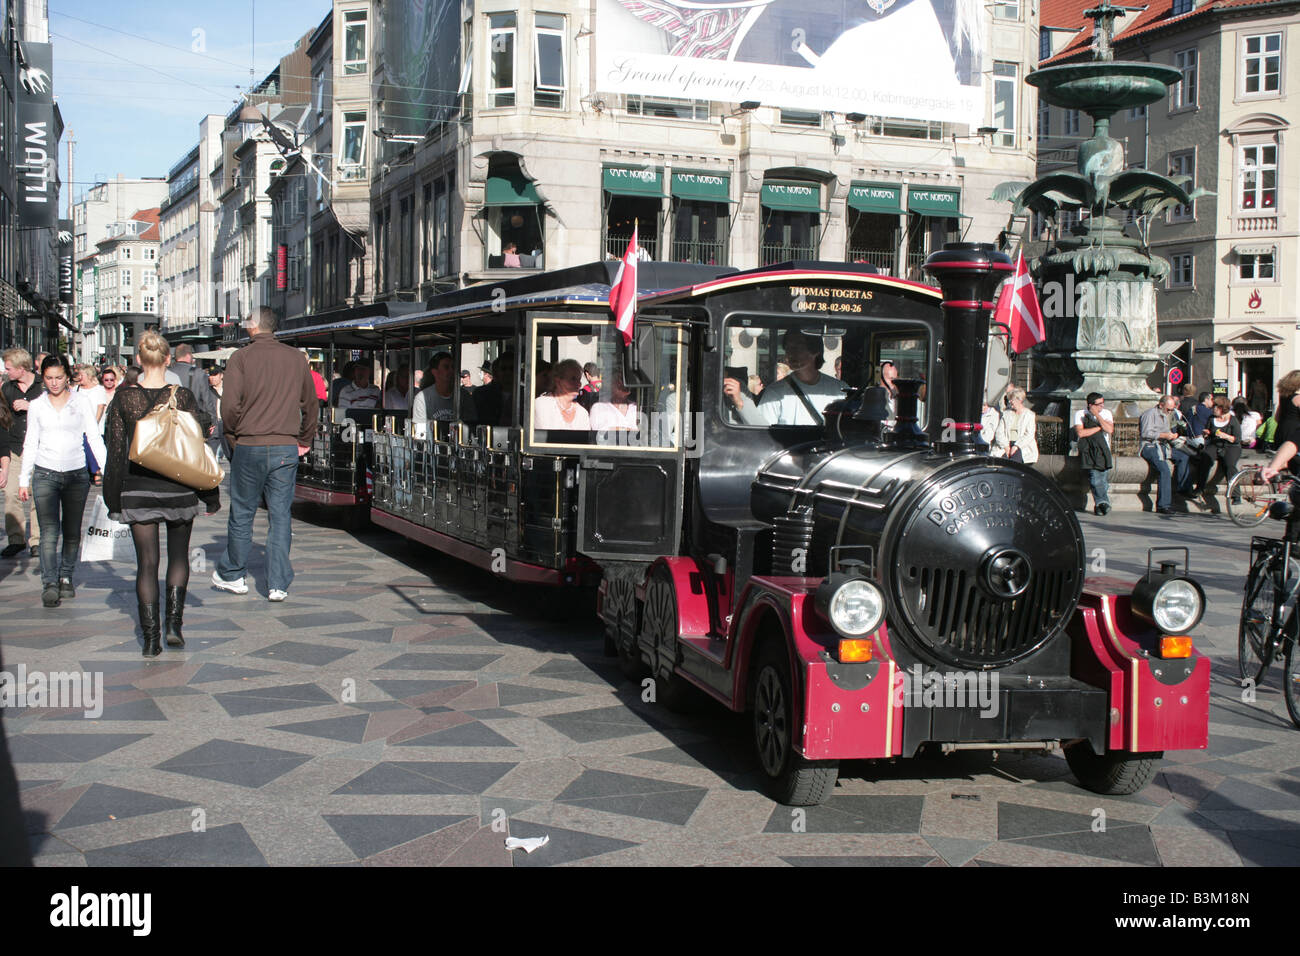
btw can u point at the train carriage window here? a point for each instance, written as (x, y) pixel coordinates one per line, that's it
(585, 393)
(783, 371)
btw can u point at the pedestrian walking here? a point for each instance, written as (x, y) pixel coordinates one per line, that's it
(22, 386)
(61, 426)
(217, 442)
(1093, 426)
(270, 410)
(196, 380)
(144, 499)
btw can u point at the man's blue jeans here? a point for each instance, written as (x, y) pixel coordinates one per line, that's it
(1100, 482)
(257, 470)
(1152, 455)
(60, 498)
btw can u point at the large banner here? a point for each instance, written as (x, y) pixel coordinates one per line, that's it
(422, 65)
(38, 146)
(914, 59)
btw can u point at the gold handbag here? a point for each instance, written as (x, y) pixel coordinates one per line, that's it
(171, 444)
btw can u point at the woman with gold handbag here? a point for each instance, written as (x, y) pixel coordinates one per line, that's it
(145, 497)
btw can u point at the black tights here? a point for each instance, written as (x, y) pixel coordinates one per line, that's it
(145, 536)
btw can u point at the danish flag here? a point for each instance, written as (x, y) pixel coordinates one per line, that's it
(622, 294)
(1019, 311)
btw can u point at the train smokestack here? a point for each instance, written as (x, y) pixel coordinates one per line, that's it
(969, 274)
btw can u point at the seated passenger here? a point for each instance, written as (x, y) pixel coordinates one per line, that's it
(437, 403)
(617, 414)
(359, 393)
(397, 396)
(493, 397)
(343, 379)
(542, 381)
(559, 410)
(510, 255)
(798, 398)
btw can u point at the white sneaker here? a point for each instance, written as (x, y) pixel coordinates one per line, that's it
(234, 587)
(275, 594)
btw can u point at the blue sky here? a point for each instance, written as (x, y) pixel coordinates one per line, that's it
(133, 79)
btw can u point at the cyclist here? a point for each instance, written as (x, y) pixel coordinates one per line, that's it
(1288, 439)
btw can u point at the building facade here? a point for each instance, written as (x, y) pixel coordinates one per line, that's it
(127, 269)
(1228, 311)
(101, 206)
(523, 158)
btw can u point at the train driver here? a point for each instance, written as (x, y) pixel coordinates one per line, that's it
(800, 397)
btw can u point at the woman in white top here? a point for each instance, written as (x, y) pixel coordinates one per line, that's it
(88, 385)
(60, 424)
(618, 414)
(558, 410)
(1015, 436)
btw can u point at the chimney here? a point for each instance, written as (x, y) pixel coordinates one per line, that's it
(969, 274)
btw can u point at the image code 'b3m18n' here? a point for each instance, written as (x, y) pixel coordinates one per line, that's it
(779, 489)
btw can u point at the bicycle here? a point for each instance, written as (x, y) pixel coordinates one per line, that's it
(1249, 495)
(1268, 620)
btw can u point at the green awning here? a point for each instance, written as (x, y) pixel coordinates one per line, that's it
(705, 187)
(876, 197)
(792, 197)
(510, 189)
(935, 202)
(633, 181)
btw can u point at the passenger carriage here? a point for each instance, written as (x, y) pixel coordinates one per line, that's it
(849, 568)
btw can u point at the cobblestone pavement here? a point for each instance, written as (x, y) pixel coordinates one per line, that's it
(472, 709)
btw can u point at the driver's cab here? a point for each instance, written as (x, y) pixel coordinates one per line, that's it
(779, 372)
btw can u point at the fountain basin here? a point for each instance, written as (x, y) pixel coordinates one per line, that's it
(1102, 87)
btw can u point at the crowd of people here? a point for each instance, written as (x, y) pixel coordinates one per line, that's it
(64, 428)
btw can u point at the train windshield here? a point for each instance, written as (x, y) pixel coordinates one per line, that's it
(780, 370)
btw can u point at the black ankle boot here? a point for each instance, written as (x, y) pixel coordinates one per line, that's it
(150, 627)
(175, 613)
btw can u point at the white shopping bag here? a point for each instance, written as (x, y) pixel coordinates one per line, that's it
(106, 539)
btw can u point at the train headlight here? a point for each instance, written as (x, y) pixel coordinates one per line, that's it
(1172, 602)
(853, 605)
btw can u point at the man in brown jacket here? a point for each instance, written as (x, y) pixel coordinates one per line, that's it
(269, 411)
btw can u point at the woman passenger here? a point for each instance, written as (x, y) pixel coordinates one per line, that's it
(144, 499)
(619, 413)
(559, 410)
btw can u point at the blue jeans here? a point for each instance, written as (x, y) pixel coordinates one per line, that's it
(1100, 482)
(60, 505)
(1182, 464)
(257, 470)
(1152, 455)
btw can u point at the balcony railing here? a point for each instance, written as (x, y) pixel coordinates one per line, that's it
(615, 246)
(701, 253)
(914, 271)
(886, 260)
(768, 254)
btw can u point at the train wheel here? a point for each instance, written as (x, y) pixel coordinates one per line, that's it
(788, 778)
(1114, 773)
(621, 626)
(659, 631)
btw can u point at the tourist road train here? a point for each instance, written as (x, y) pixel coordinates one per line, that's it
(850, 569)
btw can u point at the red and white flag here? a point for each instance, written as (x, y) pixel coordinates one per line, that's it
(1019, 311)
(622, 294)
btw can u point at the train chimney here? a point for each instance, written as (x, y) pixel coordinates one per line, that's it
(969, 274)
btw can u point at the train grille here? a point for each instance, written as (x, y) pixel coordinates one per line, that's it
(962, 624)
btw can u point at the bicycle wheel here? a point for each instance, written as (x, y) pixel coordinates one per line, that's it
(1249, 497)
(1255, 638)
(1291, 680)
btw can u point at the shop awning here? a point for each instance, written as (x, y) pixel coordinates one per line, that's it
(934, 202)
(510, 189)
(702, 187)
(884, 198)
(792, 197)
(633, 181)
